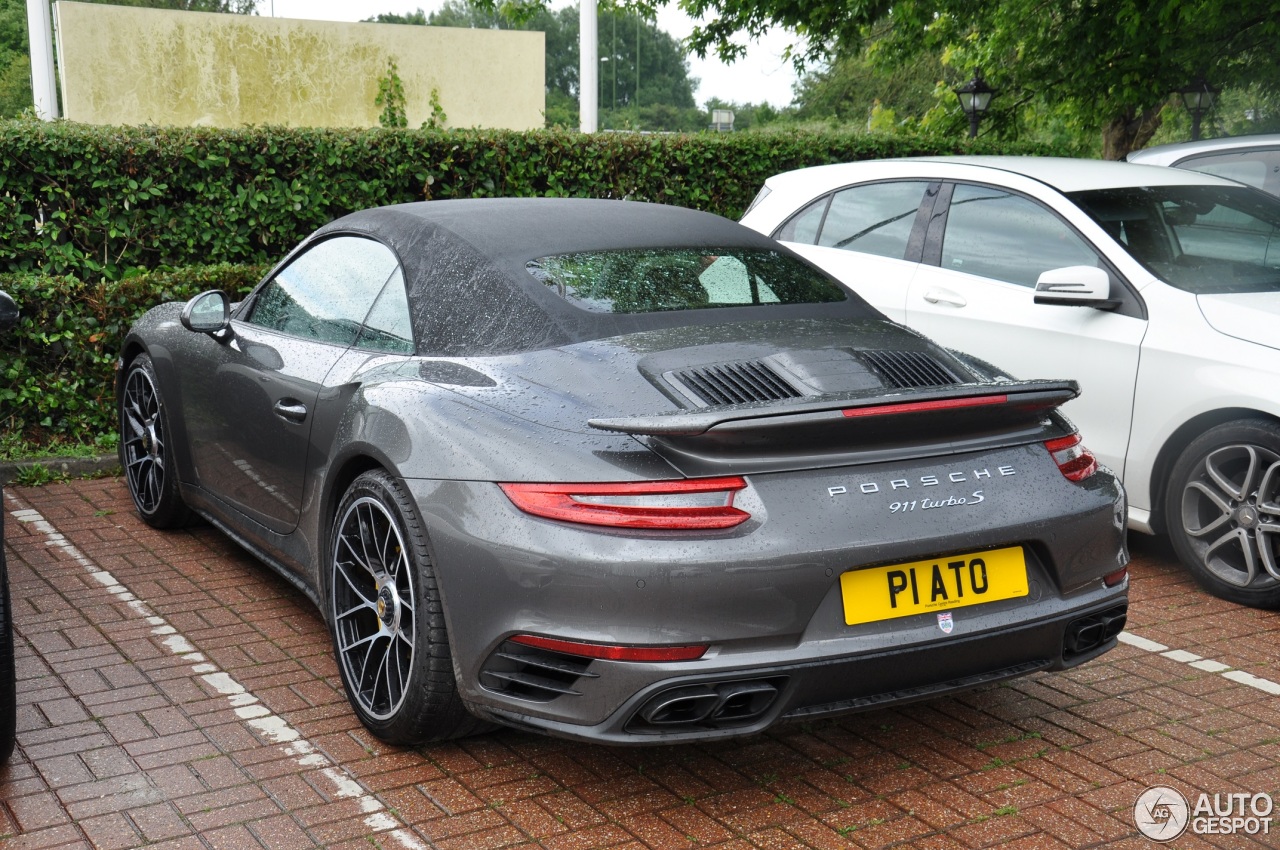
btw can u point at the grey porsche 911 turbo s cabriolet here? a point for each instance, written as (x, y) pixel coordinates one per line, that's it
(621, 472)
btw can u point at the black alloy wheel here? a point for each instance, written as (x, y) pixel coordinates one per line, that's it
(388, 625)
(145, 455)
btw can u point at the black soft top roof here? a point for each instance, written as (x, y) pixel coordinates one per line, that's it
(471, 294)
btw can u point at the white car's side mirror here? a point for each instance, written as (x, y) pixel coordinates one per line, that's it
(1076, 286)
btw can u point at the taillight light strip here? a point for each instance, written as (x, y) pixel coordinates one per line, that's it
(1076, 462)
(614, 652)
(688, 504)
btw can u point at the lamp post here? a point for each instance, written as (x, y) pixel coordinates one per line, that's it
(975, 97)
(1198, 98)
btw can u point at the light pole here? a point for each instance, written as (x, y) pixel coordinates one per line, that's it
(44, 88)
(588, 67)
(975, 97)
(1198, 98)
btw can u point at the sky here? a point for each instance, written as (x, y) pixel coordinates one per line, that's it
(762, 75)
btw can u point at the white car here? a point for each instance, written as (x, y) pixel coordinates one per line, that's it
(1253, 160)
(1157, 289)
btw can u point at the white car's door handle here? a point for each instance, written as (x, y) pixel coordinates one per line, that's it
(944, 296)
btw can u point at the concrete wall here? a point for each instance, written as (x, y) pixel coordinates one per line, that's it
(125, 65)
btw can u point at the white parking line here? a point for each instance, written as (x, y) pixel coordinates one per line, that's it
(1208, 665)
(247, 707)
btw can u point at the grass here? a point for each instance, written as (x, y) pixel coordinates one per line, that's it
(13, 447)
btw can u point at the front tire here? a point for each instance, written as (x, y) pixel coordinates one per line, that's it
(387, 620)
(145, 454)
(1222, 511)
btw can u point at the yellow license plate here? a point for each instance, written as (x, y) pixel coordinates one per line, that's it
(941, 584)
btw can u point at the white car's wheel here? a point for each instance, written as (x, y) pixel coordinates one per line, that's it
(1222, 511)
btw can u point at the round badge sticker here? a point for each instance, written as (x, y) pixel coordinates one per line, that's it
(1161, 813)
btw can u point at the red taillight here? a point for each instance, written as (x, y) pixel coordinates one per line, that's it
(612, 652)
(926, 406)
(1112, 579)
(1076, 462)
(698, 503)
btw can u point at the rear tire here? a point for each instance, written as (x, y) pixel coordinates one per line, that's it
(145, 454)
(8, 673)
(387, 619)
(1222, 511)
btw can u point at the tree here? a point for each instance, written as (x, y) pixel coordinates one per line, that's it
(232, 7)
(1102, 66)
(652, 91)
(15, 67)
(853, 88)
(418, 18)
(1111, 65)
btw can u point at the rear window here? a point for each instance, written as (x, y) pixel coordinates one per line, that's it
(651, 281)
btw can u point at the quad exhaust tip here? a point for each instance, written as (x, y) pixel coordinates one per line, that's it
(1089, 633)
(724, 704)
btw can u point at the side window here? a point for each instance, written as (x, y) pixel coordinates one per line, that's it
(388, 327)
(875, 218)
(326, 292)
(803, 226)
(992, 233)
(1257, 168)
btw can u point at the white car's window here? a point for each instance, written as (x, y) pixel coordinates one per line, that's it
(803, 226)
(1257, 168)
(326, 292)
(727, 281)
(1202, 239)
(993, 233)
(875, 218)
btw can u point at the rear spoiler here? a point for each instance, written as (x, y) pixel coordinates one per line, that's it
(1007, 403)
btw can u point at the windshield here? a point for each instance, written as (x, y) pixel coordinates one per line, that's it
(1202, 239)
(650, 281)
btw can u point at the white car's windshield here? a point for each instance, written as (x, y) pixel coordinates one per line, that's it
(1203, 239)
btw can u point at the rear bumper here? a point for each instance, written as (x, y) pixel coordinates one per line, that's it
(808, 691)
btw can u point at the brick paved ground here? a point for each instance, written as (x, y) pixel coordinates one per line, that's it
(173, 693)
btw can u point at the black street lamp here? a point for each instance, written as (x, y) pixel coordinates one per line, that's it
(975, 96)
(1198, 98)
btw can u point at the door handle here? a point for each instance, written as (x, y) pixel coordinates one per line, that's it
(944, 296)
(291, 409)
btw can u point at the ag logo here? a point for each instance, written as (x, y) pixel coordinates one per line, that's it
(1161, 813)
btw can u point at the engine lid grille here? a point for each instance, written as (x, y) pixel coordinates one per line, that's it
(732, 383)
(909, 369)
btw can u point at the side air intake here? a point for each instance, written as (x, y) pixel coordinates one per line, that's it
(537, 675)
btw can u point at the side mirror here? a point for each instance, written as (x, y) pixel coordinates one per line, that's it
(8, 312)
(207, 313)
(1076, 286)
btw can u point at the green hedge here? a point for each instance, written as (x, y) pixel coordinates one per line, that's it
(94, 201)
(57, 365)
(88, 213)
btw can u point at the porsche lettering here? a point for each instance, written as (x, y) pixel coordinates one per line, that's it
(931, 480)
